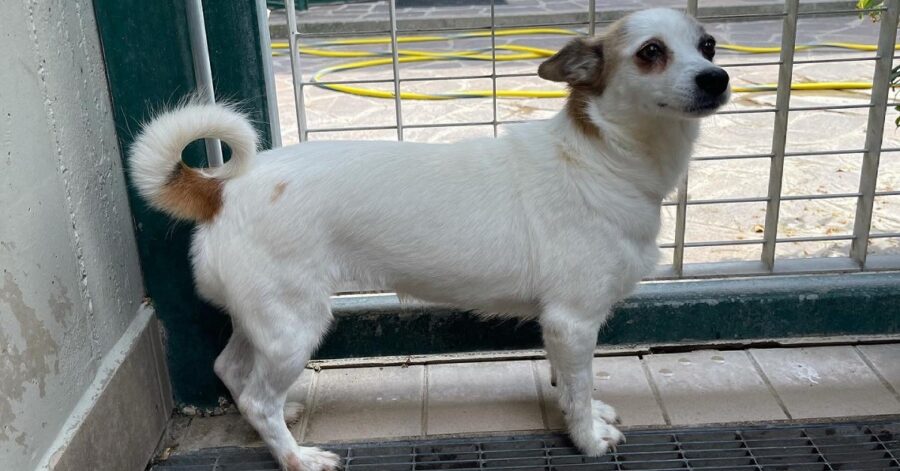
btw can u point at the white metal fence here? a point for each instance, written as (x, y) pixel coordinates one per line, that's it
(852, 248)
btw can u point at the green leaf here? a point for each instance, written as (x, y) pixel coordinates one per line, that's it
(869, 4)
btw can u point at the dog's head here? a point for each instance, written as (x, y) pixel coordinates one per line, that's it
(656, 61)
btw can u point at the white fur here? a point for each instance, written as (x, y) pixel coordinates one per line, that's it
(544, 222)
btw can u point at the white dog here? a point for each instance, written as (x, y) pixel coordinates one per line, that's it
(555, 221)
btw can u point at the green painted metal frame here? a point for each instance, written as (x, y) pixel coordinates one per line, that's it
(149, 65)
(668, 313)
(300, 5)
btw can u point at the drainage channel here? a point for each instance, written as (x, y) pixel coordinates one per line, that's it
(821, 446)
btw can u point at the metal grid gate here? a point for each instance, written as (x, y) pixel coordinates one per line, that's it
(855, 258)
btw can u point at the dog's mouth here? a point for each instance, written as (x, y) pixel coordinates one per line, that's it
(698, 107)
(705, 106)
(702, 109)
(695, 109)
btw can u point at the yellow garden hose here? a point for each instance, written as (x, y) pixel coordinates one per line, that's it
(510, 52)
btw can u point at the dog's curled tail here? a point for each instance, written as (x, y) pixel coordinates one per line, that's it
(171, 186)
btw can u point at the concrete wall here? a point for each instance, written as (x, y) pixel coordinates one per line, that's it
(70, 287)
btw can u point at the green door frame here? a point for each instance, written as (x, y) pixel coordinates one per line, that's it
(300, 5)
(149, 65)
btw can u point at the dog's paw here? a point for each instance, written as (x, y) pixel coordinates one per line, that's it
(608, 433)
(605, 412)
(316, 459)
(292, 412)
(598, 439)
(605, 437)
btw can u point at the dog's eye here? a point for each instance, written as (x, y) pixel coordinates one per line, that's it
(650, 52)
(708, 48)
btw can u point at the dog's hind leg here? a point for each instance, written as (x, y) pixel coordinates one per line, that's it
(570, 337)
(283, 339)
(234, 364)
(233, 367)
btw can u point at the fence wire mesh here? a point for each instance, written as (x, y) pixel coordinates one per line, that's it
(800, 173)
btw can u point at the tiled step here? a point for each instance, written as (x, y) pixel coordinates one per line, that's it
(678, 389)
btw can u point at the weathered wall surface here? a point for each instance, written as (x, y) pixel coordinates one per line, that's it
(70, 284)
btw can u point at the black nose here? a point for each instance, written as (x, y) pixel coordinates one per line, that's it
(713, 81)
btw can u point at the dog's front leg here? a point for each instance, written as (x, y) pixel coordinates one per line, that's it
(569, 338)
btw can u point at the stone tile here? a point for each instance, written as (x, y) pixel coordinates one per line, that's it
(358, 403)
(232, 430)
(222, 430)
(886, 360)
(299, 392)
(162, 368)
(130, 414)
(355, 13)
(482, 397)
(825, 382)
(619, 382)
(709, 386)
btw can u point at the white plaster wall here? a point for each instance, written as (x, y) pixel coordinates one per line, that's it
(70, 281)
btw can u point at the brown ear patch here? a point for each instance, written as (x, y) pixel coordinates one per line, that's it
(587, 78)
(582, 65)
(190, 195)
(576, 109)
(577, 63)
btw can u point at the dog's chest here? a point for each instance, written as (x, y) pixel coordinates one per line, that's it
(603, 253)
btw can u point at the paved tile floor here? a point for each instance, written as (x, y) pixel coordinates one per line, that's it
(700, 387)
(371, 15)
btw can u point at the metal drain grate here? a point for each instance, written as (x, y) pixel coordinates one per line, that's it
(842, 446)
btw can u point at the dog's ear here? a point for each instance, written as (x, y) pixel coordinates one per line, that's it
(578, 63)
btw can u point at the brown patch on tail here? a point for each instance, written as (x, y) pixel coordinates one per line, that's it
(190, 195)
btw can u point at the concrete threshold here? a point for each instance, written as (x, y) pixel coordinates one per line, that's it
(370, 402)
